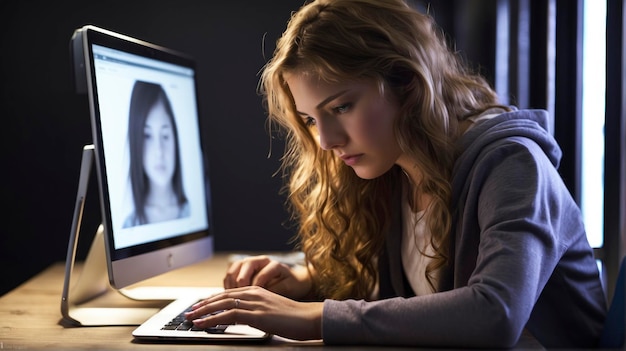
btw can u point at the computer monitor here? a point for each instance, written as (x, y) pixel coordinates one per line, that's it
(152, 177)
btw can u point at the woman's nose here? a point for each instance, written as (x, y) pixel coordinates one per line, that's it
(331, 133)
(161, 146)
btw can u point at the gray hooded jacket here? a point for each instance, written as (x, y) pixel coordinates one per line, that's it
(519, 258)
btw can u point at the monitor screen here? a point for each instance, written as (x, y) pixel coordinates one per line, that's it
(153, 182)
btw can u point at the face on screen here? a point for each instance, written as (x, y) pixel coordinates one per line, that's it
(159, 148)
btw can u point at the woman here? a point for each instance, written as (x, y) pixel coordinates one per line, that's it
(429, 215)
(155, 173)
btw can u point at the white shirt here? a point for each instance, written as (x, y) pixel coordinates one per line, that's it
(416, 248)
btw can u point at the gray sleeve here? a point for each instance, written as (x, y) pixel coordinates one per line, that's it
(454, 319)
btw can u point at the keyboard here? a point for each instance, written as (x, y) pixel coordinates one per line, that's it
(180, 323)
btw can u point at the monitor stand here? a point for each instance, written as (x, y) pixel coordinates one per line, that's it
(91, 301)
(87, 302)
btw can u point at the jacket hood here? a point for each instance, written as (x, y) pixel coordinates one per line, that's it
(531, 124)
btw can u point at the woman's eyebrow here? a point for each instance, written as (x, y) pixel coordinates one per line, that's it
(325, 101)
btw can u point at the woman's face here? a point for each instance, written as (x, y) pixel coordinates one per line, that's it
(352, 119)
(159, 151)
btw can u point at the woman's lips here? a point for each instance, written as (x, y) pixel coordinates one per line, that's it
(350, 160)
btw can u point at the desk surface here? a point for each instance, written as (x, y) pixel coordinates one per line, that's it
(30, 315)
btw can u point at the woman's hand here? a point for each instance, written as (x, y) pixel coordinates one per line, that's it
(294, 283)
(262, 309)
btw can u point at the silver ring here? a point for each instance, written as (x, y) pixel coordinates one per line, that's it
(237, 301)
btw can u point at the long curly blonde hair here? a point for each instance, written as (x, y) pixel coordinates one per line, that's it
(343, 219)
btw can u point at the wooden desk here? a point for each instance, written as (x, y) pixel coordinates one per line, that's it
(30, 316)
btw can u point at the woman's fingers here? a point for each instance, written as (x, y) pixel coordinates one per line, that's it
(292, 282)
(240, 273)
(256, 270)
(261, 309)
(249, 269)
(231, 273)
(222, 308)
(271, 272)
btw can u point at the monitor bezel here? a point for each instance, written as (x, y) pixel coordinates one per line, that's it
(126, 265)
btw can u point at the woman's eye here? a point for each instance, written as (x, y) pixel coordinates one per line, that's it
(342, 108)
(309, 121)
(166, 134)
